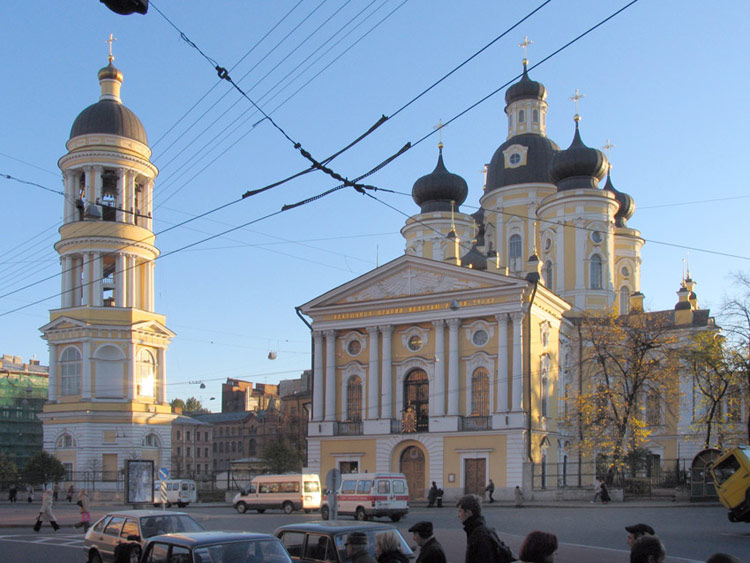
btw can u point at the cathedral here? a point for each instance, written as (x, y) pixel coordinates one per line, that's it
(107, 377)
(452, 362)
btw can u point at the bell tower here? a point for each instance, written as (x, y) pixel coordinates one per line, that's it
(107, 382)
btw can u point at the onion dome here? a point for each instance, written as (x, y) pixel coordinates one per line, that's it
(474, 259)
(627, 204)
(525, 89)
(439, 189)
(108, 116)
(539, 153)
(683, 303)
(578, 166)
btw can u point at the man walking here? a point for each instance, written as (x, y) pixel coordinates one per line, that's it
(430, 550)
(482, 543)
(356, 548)
(490, 489)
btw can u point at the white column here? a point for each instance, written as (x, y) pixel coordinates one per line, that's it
(121, 195)
(330, 375)
(386, 407)
(76, 295)
(317, 412)
(69, 206)
(581, 258)
(148, 201)
(132, 282)
(121, 275)
(86, 279)
(517, 319)
(501, 404)
(437, 403)
(161, 390)
(453, 385)
(89, 184)
(132, 384)
(98, 170)
(52, 382)
(66, 265)
(150, 267)
(97, 281)
(129, 196)
(372, 374)
(86, 371)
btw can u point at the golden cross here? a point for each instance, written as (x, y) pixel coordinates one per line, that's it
(575, 99)
(110, 41)
(439, 128)
(608, 146)
(526, 43)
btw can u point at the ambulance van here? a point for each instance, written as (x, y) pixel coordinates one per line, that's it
(368, 495)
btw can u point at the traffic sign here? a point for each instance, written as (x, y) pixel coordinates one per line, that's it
(163, 473)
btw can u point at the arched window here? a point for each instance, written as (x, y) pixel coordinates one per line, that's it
(70, 372)
(521, 116)
(109, 372)
(480, 393)
(251, 447)
(653, 408)
(354, 399)
(66, 441)
(150, 441)
(146, 367)
(515, 252)
(544, 390)
(624, 300)
(417, 395)
(535, 116)
(548, 280)
(595, 273)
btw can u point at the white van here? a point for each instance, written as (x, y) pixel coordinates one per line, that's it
(288, 492)
(179, 491)
(365, 495)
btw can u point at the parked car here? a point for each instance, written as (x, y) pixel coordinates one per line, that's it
(731, 473)
(312, 542)
(179, 491)
(368, 495)
(120, 536)
(293, 491)
(214, 547)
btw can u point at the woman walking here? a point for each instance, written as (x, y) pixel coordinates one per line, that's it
(83, 508)
(46, 512)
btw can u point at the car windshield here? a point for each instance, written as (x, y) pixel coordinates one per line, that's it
(255, 551)
(168, 524)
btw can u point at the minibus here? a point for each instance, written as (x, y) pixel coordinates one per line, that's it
(295, 491)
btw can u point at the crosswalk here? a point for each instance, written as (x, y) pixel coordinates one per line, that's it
(52, 539)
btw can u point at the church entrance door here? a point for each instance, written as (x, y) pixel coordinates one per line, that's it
(412, 466)
(475, 472)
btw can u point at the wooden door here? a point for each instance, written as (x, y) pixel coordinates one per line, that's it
(412, 466)
(475, 476)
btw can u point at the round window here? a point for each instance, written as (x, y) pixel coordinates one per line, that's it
(625, 271)
(354, 347)
(596, 236)
(415, 342)
(515, 158)
(548, 244)
(480, 337)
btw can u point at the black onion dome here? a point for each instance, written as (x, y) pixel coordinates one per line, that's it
(437, 190)
(539, 154)
(525, 89)
(627, 203)
(578, 166)
(109, 116)
(474, 259)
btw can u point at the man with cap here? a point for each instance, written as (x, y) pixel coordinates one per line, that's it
(356, 548)
(638, 530)
(430, 550)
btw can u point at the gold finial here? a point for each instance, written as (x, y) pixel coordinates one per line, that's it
(575, 99)
(439, 128)
(608, 146)
(110, 41)
(526, 43)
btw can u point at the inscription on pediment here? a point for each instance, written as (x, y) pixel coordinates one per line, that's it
(412, 282)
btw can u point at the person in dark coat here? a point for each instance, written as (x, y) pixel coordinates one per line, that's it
(605, 494)
(12, 493)
(490, 490)
(356, 548)
(647, 549)
(480, 545)
(388, 549)
(432, 494)
(430, 550)
(638, 530)
(538, 547)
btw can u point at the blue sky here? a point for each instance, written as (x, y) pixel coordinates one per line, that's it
(664, 81)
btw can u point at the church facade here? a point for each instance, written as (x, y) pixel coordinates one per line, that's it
(107, 377)
(453, 362)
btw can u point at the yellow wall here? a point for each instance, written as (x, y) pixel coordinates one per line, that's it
(331, 449)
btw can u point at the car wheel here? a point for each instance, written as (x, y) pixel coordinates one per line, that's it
(241, 507)
(360, 514)
(324, 513)
(288, 508)
(94, 557)
(395, 517)
(261, 510)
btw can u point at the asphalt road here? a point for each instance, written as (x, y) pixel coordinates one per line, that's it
(587, 534)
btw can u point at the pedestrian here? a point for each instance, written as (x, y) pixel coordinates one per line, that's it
(30, 493)
(12, 493)
(83, 508)
(432, 495)
(55, 491)
(430, 550)
(597, 490)
(636, 531)
(69, 494)
(723, 558)
(538, 547)
(490, 488)
(388, 549)
(518, 495)
(482, 543)
(356, 548)
(647, 549)
(605, 493)
(46, 511)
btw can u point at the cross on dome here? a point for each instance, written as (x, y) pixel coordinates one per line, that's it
(110, 41)
(439, 128)
(577, 96)
(524, 45)
(608, 145)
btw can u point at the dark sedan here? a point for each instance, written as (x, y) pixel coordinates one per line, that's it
(313, 542)
(214, 547)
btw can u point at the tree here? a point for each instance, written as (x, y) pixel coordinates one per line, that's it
(627, 375)
(8, 470)
(177, 404)
(43, 468)
(280, 456)
(735, 320)
(717, 379)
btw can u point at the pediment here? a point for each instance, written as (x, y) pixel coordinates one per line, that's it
(63, 323)
(155, 327)
(411, 276)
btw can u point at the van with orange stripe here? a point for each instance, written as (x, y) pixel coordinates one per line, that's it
(368, 495)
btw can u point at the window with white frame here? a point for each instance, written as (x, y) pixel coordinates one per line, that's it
(624, 300)
(515, 252)
(480, 392)
(146, 372)
(544, 391)
(595, 272)
(548, 279)
(70, 372)
(354, 399)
